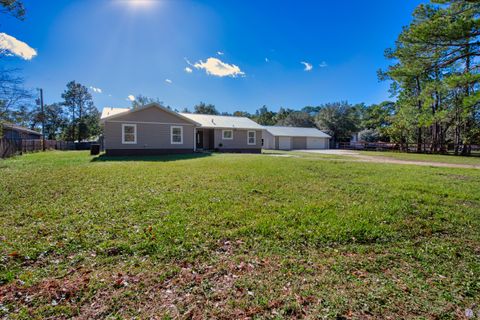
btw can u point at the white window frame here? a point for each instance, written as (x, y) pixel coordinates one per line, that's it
(171, 134)
(254, 137)
(223, 135)
(134, 133)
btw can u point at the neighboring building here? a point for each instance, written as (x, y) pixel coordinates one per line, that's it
(153, 129)
(290, 138)
(355, 138)
(15, 132)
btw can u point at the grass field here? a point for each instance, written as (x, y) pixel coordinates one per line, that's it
(234, 236)
(474, 160)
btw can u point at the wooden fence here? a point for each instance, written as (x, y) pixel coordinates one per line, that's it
(36, 145)
(11, 147)
(379, 146)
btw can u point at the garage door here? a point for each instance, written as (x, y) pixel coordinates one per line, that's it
(317, 143)
(284, 143)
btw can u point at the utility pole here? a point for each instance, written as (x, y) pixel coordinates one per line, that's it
(43, 119)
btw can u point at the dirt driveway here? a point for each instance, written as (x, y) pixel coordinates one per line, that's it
(384, 159)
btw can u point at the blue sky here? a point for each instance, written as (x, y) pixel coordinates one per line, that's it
(256, 50)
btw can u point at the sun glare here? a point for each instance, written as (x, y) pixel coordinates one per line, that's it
(140, 3)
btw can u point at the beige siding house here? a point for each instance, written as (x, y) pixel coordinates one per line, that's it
(227, 133)
(294, 138)
(153, 129)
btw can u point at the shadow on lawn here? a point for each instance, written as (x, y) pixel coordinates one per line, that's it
(153, 158)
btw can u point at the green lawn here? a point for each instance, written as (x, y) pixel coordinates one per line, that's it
(232, 236)
(474, 160)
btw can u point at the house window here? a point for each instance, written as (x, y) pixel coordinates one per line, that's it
(251, 137)
(176, 135)
(129, 133)
(227, 134)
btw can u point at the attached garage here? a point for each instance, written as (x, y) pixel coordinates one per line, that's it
(299, 143)
(284, 143)
(317, 143)
(294, 138)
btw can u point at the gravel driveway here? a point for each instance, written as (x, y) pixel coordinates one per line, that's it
(382, 159)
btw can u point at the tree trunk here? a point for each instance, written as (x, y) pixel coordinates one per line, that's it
(72, 136)
(419, 129)
(468, 123)
(443, 144)
(79, 136)
(456, 138)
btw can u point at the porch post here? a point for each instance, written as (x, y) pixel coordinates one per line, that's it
(194, 139)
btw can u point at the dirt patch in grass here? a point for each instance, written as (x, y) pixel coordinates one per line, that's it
(64, 291)
(236, 284)
(191, 291)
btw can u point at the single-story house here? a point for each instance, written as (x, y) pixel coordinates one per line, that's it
(16, 132)
(227, 133)
(288, 138)
(154, 129)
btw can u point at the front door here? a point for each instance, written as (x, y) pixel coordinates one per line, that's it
(199, 139)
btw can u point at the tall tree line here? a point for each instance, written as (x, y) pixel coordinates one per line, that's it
(74, 119)
(436, 79)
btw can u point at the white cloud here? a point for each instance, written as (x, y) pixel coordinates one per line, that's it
(323, 64)
(220, 53)
(96, 90)
(188, 70)
(267, 60)
(16, 47)
(131, 98)
(308, 66)
(219, 68)
(168, 81)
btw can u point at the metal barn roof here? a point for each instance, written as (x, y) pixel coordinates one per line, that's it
(295, 132)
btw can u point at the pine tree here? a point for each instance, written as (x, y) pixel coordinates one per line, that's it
(436, 75)
(83, 114)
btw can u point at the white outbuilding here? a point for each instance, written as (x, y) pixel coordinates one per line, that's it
(294, 138)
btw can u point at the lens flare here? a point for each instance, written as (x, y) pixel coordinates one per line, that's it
(140, 3)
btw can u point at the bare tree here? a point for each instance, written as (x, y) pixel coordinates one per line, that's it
(141, 100)
(12, 94)
(15, 100)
